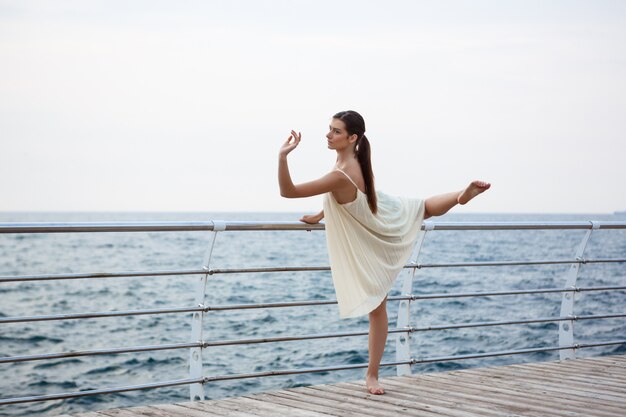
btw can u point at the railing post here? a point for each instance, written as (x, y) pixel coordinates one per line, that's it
(196, 391)
(403, 346)
(566, 328)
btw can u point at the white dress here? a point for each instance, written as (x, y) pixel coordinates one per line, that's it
(367, 251)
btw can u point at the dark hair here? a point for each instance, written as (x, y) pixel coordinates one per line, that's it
(355, 125)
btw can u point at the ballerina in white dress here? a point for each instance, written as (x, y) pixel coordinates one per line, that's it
(369, 234)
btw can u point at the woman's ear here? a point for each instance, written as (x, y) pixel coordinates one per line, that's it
(353, 138)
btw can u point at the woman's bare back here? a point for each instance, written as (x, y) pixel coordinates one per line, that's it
(348, 193)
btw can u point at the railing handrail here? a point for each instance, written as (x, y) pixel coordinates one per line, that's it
(171, 226)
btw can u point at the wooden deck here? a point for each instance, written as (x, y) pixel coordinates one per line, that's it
(582, 387)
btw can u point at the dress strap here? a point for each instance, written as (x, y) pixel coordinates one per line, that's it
(357, 187)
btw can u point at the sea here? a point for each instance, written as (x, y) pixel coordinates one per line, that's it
(58, 253)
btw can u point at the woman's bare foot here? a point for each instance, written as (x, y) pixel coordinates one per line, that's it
(373, 386)
(472, 190)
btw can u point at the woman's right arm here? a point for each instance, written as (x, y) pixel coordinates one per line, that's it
(288, 189)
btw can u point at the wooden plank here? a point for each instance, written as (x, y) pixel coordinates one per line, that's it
(174, 410)
(595, 366)
(488, 394)
(122, 412)
(438, 398)
(207, 407)
(337, 401)
(526, 387)
(615, 359)
(304, 402)
(438, 404)
(408, 405)
(85, 414)
(449, 406)
(504, 393)
(575, 376)
(549, 379)
(236, 404)
(538, 392)
(219, 408)
(386, 403)
(604, 371)
(274, 409)
(484, 398)
(545, 380)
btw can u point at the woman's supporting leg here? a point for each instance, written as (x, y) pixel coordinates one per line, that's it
(376, 346)
(440, 204)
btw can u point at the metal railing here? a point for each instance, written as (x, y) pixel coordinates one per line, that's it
(403, 330)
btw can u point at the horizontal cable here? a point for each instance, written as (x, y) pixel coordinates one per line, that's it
(110, 351)
(604, 316)
(516, 352)
(131, 274)
(224, 307)
(512, 263)
(294, 338)
(523, 225)
(412, 361)
(120, 313)
(298, 371)
(83, 275)
(509, 322)
(405, 330)
(62, 396)
(181, 226)
(48, 356)
(4, 320)
(512, 292)
(213, 271)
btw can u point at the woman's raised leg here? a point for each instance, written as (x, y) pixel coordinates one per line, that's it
(376, 346)
(440, 204)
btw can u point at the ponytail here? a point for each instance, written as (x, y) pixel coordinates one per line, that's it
(355, 125)
(362, 151)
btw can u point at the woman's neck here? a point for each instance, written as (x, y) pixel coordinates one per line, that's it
(344, 157)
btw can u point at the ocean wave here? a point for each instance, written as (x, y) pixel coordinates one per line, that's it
(54, 364)
(31, 340)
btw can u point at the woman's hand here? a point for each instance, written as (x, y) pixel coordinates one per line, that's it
(291, 143)
(312, 218)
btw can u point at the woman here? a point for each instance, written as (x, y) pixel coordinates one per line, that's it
(369, 234)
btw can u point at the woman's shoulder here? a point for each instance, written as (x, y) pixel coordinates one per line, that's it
(352, 170)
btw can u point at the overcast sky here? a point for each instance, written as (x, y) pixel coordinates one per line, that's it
(182, 106)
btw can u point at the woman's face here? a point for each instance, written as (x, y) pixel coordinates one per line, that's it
(337, 135)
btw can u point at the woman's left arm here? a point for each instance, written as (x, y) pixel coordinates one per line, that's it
(284, 179)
